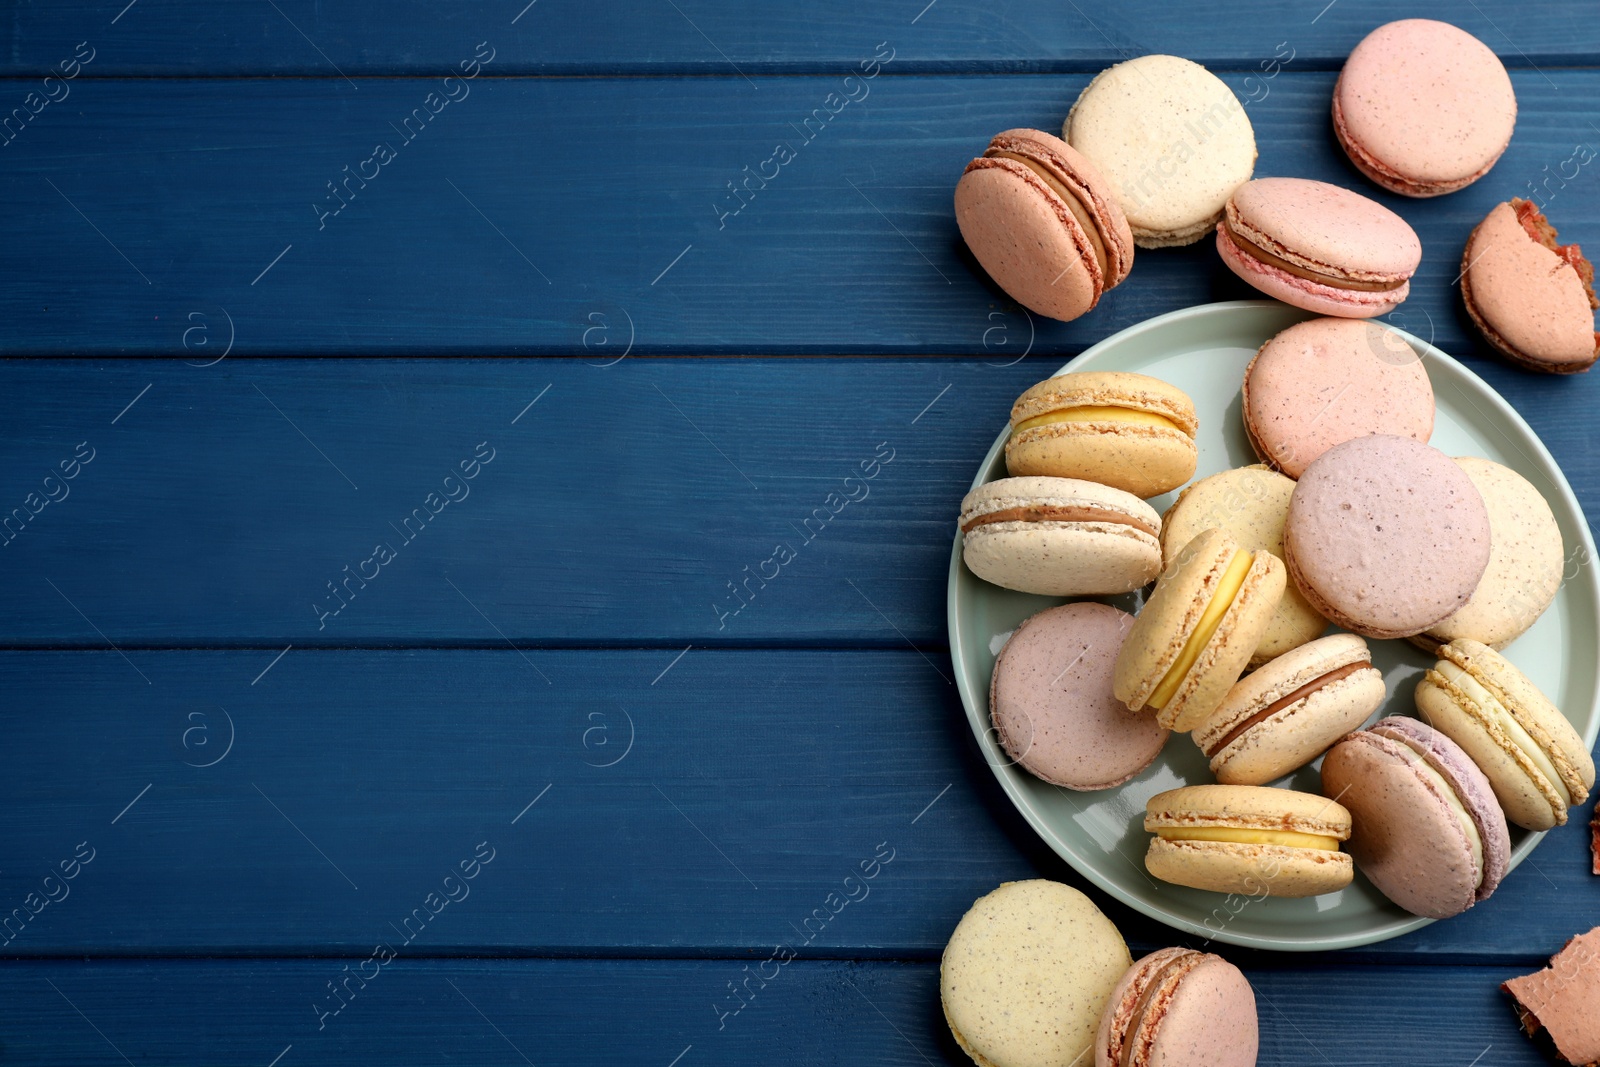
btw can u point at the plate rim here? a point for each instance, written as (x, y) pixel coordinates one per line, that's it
(977, 707)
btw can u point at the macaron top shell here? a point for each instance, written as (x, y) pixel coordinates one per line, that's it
(1171, 138)
(1179, 1008)
(1424, 107)
(1325, 229)
(1529, 302)
(1247, 807)
(1041, 221)
(1324, 381)
(1027, 974)
(1107, 388)
(1051, 703)
(1386, 536)
(1526, 561)
(1250, 504)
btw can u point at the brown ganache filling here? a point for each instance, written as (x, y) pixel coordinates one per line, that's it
(1278, 705)
(1255, 251)
(1055, 513)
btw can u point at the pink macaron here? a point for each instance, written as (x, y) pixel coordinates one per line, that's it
(1043, 223)
(1319, 247)
(1386, 536)
(1179, 1008)
(1051, 703)
(1325, 381)
(1425, 826)
(1423, 107)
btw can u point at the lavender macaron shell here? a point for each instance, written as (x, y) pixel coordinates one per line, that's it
(1051, 703)
(1477, 795)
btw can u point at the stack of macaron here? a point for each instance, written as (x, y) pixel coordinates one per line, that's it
(1035, 974)
(1157, 151)
(1351, 518)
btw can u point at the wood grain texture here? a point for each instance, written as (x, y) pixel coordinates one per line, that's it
(480, 237)
(302, 37)
(617, 510)
(650, 1011)
(704, 805)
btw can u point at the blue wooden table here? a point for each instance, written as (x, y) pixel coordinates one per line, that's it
(384, 684)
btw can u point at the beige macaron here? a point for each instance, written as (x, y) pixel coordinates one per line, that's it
(1533, 757)
(1250, 503)
(1060, 537)
(1526, 561)
(1121, 429)
(1291, 710)
(1248, 839)
(1027, 974)
(1196, 633)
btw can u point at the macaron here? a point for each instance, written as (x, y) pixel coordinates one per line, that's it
(1425, 826)
(1556, 1005)
(1198, 630)
(1526, 562)
(1530, 296)
(1051, 703)
(1319, 247)
(1287, 713)
(1423, 107)
(1060, 537)
(1248, 839)
(1250, 504)
(1171, 138)
(1386, 536)
(1129, 431)
(1043, 223)
(1027, 974)
(1533, 757)
(1180, 1008)
(1324, 381)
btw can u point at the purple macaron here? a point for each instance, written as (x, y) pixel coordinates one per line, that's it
(1426, 828)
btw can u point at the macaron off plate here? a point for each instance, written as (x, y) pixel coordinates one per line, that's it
(1180, 1008)
(1319, 247)
(1043, 223)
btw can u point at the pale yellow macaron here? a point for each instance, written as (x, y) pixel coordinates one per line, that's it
(1198, 630)
(1250, 503)
(1121, 429)
(1248, 839)
(1027, 974)
(1533, 757)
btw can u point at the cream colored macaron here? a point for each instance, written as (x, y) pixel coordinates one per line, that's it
(1248, 839)
(1060, 537)
(1526, 561)
(1126, 430)
(1196, 633)
(1250, 503)
(1533, 757)
(1027, 974)
(1288, 712)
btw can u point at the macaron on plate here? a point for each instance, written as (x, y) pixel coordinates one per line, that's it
(1204, 351)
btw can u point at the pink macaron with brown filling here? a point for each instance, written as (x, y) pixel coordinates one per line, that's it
(1179, 1008)
(1043, 223)
(1319, 247)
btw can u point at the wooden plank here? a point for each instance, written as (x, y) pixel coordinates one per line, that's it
(300, 37)
(617, 509)
(483, 235)
(664, 1012)
(631, 803)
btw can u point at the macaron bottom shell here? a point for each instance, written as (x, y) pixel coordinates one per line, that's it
(1303, 292)
(1063, 559)
(1247, 869)
(1140, 459)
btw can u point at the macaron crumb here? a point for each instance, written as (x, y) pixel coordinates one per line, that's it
(1557, 1006)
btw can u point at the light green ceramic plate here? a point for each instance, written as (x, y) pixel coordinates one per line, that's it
(1204, 350)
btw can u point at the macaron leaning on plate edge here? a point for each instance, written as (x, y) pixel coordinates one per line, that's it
(978, 613)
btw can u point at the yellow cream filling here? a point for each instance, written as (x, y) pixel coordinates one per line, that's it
(1498, 711)
(1098, 413)
(1470, 828)
(1232, 580)
(1243, 836)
